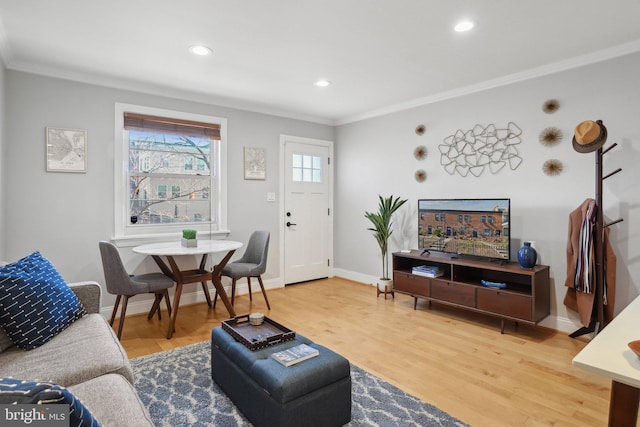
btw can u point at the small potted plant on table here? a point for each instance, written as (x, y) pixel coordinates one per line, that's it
(189, 238)
(381, 229)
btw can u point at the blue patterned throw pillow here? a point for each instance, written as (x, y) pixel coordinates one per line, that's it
(17, 392)
(36, 303)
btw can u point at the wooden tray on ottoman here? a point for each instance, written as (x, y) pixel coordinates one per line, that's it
(255, 337)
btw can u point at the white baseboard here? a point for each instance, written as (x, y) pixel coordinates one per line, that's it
(142, 304)
(356, 277)
(561, 324)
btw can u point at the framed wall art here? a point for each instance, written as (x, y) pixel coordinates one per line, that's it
(66, 150)
(255, 163)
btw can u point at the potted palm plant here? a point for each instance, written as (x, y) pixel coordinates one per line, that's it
(381, 229)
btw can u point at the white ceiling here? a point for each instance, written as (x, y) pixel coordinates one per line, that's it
(381, 55)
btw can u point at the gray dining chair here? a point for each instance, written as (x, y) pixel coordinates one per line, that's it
(253, 263)
(122, 284)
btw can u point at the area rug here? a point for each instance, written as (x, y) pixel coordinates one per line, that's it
(177, 388)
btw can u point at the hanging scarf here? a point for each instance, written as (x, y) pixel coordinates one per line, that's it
(584, 277)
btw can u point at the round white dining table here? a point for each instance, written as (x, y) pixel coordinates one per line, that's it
(170, 250)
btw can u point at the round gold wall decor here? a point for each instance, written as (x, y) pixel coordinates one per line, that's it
(420, 175)
(550, 106)
(420, 153)
(550, 136)
(552, 167)
(420, 129)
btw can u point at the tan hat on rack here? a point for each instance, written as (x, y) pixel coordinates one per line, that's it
(589, 136)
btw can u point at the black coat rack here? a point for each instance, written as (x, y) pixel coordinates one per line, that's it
(598, 320)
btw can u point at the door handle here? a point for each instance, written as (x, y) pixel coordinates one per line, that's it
(289, 224)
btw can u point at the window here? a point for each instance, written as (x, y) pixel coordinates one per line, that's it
(306, 168)
(162, 193)
(483, 219)
(174, 172)
(143, 164)
(490, 218)
(188, 163)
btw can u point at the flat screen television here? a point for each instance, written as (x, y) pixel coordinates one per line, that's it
(473, 227)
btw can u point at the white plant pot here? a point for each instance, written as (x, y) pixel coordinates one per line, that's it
(385, 285)
(189, 243)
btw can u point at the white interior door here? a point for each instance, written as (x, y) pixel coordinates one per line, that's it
(307, 227)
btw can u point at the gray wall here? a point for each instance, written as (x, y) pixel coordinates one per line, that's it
(64, 215)
(375, 156)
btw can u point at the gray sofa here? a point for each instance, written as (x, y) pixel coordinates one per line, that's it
(88, 359)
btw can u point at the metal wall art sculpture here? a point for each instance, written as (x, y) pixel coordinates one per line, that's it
(480, 148)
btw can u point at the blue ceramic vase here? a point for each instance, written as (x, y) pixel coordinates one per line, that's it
(527, 256)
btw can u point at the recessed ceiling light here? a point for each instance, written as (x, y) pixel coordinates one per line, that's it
(200, 50)
(323, 83)
(463, 26)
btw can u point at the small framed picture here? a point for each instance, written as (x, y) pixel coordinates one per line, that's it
(66, 150)
(255, 163)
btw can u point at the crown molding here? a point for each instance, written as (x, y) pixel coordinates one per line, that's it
(571, 63)
(159, 90)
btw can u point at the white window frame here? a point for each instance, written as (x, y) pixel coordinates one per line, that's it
(127, 235)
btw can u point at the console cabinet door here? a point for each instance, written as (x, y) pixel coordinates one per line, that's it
(456, 293)
(505, 303)
(411, 283)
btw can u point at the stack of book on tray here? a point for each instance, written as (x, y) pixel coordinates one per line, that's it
(427, 270)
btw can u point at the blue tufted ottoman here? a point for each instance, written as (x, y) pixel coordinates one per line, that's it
(315, 392)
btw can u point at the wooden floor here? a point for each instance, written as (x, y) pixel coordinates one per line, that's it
(455, 360)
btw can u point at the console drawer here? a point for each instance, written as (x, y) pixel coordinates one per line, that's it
(453, 292)
(505, 303)
(411, 283)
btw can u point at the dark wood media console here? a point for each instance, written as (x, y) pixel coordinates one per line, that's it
(525, 299)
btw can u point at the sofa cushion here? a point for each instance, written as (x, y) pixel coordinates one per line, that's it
(86, 349)
(113, 401)
(14, 391)
(35, 302)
